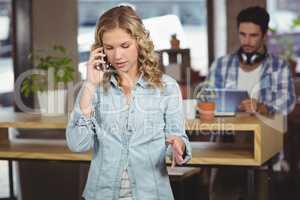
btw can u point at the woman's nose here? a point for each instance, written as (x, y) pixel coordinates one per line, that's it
(117, 54)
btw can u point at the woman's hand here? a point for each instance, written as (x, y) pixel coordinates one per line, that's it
(94, 78)
(178, 147)
(94, 72)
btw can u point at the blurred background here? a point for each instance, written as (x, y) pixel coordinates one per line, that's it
(206, 30)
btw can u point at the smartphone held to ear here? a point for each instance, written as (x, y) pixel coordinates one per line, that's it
(103, 66)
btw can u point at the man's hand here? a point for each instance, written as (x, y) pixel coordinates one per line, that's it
(249, 105)
(178, 147)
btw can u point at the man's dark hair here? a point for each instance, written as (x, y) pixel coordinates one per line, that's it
(256, 15)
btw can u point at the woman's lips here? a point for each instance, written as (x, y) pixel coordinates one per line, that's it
(121, 64)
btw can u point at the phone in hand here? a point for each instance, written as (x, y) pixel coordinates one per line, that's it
(103, 67)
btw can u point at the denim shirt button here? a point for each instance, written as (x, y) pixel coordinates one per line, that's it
(130, 128)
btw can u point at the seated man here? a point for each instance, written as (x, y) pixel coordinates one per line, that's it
(266, 77)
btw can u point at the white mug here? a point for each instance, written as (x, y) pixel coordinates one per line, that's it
(189, 108)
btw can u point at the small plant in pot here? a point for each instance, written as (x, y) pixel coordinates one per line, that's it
(54, 69)
(205, 102)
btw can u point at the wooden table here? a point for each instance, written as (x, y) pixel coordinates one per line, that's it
(267, 141)
(16, 149)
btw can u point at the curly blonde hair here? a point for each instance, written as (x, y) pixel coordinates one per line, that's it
(126, 18)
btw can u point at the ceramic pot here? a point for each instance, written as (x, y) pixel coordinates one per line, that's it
(206, 111)
(52, 102)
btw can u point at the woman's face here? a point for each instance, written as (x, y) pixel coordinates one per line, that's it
(121, 50)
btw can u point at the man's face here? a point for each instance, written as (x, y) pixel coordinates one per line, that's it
(251, 37)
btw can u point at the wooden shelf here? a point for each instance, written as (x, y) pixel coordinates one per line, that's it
(242, 123)
(267, 140)
(10, 119)
(221, 154)
(40, 150)
(203, 152)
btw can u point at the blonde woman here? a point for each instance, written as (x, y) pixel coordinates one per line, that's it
(128, 113)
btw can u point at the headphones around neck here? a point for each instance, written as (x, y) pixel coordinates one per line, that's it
(251, 58)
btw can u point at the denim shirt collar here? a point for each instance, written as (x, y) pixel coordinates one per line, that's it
(140, 81)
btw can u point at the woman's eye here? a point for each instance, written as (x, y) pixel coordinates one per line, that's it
(125, 46)
(108, 48)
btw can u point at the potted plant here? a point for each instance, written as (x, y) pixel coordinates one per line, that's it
(54, 69)
(175, 43)
(284, 45)
(205, 102)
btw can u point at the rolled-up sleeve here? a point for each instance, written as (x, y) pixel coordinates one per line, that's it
(174, 119)
(277, 89)
(285, 95)
(82, 131)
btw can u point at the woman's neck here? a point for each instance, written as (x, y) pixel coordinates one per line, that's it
(127, 82)
(128, 79)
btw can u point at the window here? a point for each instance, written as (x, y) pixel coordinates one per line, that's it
(6, 65)
(285, 23)
(189, 17)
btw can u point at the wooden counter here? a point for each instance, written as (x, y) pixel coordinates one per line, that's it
(10, 119)
(267, 141)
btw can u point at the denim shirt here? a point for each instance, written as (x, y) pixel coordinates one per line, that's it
(153, 115)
